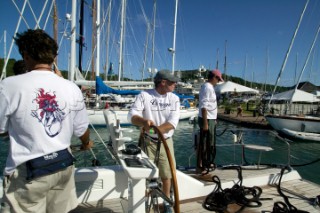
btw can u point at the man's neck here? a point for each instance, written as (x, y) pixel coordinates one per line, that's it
(161, 90)
(42, 67)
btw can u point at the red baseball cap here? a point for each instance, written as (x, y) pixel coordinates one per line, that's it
(218, 74)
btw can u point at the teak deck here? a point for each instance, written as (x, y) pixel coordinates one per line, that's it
(297, 191)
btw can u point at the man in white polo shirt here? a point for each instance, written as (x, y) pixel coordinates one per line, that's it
(40, 111)
(161, 108)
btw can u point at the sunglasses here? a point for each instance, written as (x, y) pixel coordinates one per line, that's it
(217, 78)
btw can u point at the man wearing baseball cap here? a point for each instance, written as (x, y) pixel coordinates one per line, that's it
(208, 110)
(161, 108)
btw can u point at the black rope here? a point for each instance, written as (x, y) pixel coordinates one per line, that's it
(287, 207)
(221, 132)
(219, 199)
(306, 164)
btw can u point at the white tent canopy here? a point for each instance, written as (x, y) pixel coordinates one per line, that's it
(229, 86)
(294, 96)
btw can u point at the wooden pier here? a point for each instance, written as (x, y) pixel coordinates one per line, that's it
(246, 120)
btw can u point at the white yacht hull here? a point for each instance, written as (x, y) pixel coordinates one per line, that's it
(96, 117)
(295, 123)
(305, 136)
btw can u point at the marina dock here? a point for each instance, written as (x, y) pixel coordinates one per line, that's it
(246, 120)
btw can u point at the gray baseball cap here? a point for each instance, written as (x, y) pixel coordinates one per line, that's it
(165, 75)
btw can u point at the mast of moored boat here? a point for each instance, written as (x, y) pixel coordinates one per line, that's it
(153, 37)
(81, 36)
(287, 54)
(3, 75)
(98, 31)
(225, 61)
(55, 27)
(72, 66)
(173, 49)
(107, 40)
(122, 30)
(93, 41)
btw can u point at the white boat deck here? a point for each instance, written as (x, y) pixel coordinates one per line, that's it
(296, 189)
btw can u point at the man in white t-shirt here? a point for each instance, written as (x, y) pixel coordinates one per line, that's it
(161, 108)
(208, 110)
(40, 111)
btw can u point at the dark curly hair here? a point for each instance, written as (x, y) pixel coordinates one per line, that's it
(38, 44)
(19, 67)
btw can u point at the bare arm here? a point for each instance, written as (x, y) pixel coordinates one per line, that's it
(85, 140)
(146, 124)
(204, 118)
(140, 121)
(166, 127)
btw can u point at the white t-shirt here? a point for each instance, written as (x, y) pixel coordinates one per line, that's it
(41, 111)
(208, 100)
(150, 105)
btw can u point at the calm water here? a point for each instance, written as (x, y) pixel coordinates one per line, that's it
(227, 151)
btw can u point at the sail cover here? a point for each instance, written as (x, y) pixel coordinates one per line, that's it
(102, 88)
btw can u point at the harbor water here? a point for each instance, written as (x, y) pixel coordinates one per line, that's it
(298, 154)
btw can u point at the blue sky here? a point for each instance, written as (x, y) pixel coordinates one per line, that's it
(247, 29)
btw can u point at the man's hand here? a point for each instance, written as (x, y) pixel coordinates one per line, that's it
(87, 145)
(147, 124)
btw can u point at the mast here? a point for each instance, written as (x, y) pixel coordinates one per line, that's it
(4, 51)
(81, 36)
(107, 40)
(296, 69)
(145, 52)
(73, 41)
(55, 26)
(98, 27)
(121, 39)
(245, 69)
(173, 49)
(217, 64)
(267, 69)
(252, 74)
(225, 60)
(153, 37)
(93, 42)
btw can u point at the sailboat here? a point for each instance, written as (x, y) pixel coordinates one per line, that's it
(120, 105)
(299, 125)
(123, 187)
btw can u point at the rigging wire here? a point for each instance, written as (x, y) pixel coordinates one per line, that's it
(101, 140)
(21, 12)
(48, 15)
(288, 52)
(308, 57)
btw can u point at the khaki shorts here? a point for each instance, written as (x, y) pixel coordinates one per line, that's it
(163, 166)
(54, 193)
